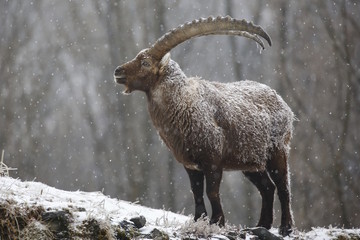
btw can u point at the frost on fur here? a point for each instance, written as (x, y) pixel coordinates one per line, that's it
(211, 126)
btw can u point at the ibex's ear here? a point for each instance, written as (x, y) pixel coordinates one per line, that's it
(164, 61)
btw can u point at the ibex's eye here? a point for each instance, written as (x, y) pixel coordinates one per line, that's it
(145, 63)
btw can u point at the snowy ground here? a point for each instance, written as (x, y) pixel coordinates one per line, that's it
(82, 208)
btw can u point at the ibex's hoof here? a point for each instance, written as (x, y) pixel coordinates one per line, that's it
(218, 221)
(264, 225)
(285, 230)
(263, 233)
(200, 213)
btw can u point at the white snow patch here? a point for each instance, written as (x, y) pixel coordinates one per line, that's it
(114, 211)
(97, 205)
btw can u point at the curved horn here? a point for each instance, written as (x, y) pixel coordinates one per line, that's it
(207, 26)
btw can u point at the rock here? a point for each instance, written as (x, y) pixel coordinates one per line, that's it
(94, 229)
(139, 222)
(158, 235)
(234, 235)
(58, 222)
(263, 233)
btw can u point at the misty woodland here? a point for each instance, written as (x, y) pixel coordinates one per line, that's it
(65, 123)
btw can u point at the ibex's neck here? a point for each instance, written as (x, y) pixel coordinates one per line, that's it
(172, 72)
(170, 77)
(167, 108)
(163, 97)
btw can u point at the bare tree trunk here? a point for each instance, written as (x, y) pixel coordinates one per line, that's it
(339, 155)
(160, 26)
(342, 50)
(233, 46)
(113, 20)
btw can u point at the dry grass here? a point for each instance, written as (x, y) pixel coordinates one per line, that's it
(16, 221)
(4, 169)
(203, 228)
(19, 221)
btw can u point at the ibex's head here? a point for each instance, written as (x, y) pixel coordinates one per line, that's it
(146, 68)
(141, 72)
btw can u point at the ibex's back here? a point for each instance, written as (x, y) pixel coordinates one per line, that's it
(211, 126)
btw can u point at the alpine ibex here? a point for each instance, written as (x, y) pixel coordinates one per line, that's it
(211, 126)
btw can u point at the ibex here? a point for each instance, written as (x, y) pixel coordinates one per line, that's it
(211, 126)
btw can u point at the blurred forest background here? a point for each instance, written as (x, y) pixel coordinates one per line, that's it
(64, 122)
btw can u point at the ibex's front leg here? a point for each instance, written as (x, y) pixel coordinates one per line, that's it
(213, 179)
(197, 187)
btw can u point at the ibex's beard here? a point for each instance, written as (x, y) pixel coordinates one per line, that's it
(127, 90)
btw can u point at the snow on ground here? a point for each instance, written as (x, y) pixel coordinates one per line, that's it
(328, 233)
(95, 205)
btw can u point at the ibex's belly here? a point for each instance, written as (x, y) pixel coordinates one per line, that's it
(197, 149)
(204, 152)
(246, 153)
(239, 164)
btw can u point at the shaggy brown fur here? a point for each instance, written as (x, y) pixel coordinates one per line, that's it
(212, 126)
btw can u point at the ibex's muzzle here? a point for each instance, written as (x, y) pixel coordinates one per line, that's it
(119, 75)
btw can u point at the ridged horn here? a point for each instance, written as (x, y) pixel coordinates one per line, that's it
(207, 26)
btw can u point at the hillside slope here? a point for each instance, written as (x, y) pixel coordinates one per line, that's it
(32, 210)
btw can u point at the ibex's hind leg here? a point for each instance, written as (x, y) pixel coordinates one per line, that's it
(278, 169)
(266, 188)
(197, 187)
